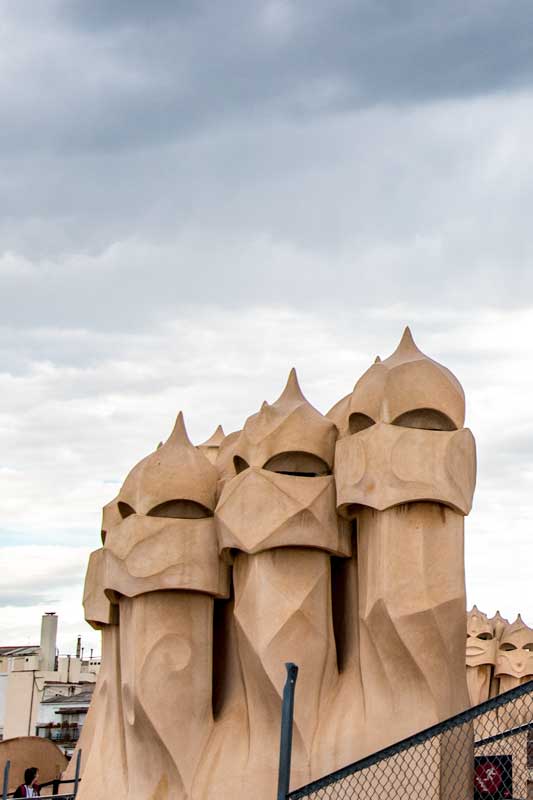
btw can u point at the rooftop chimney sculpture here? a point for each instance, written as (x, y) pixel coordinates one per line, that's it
(332, 541)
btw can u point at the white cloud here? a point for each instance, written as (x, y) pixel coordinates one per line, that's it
(41, 578)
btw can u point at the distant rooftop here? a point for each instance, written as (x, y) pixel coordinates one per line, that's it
(80, 699)
(20, 650)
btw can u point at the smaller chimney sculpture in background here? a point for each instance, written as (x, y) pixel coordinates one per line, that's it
(499, 656)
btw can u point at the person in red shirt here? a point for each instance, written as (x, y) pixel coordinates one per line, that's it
(30, 787)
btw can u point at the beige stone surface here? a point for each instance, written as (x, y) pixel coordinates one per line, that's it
(97, 607)
(175, 473)
(294, 511)
(103, 765)
(166, 679)
(407, 389)
(387, 465)
(412, 616)
(290, 425)
(147, 554)
(333, 541)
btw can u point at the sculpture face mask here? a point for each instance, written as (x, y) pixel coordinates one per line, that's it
(293, 511)
(385, 465)
(480, 641)
(480, 655)
(515, 652)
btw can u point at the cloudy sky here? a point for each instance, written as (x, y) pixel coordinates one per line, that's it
(195, 196)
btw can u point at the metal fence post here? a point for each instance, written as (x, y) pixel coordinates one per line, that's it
(77, 774)
(285, 743)
(6, 780)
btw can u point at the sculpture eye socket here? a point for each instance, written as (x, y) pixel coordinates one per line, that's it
(507, 647)
(428, 419)
(528, 646)
(359, 422)
(486, 636)
(303, 465)
(240, 464)
(125, 510)
(180, 509)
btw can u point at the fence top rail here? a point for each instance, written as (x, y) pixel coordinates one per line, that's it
(417, 738)
(53, 796)
(504, 734)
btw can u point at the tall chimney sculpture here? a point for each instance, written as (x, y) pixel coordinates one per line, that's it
(335, 542)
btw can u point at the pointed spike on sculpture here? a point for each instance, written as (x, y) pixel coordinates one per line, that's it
(179, 434)
(406, 350)
(159, 445)
(512, 627)
(377, 360)
(215, 439)
(407, 343)
(292, 391)
(499, 624)
(407, 338)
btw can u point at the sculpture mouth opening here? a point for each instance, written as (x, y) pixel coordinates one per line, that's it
(180, 509)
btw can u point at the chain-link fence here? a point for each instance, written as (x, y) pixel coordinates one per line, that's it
(485, 753)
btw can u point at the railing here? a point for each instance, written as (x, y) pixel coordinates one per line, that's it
(55, 783)
(483, 753)
(59, 732)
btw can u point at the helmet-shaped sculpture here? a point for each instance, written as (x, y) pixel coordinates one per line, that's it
(283, 493)
(163, 536)
(480, 655)
(480, 641)
(514, 661)
(406, 438)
